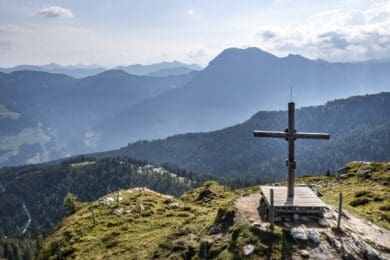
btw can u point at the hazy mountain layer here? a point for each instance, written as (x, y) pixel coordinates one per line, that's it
(80, 71)
(46, 116)
(237, 84)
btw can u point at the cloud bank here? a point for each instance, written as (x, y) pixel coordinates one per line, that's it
(335, 35)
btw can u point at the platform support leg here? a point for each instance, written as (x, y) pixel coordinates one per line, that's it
(271, 210)
(340, 211)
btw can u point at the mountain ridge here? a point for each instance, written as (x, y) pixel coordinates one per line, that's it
(235, 85)
(81, 71)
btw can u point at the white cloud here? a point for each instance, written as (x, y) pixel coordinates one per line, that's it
(56, 11)
(338, 35)
(191, 12)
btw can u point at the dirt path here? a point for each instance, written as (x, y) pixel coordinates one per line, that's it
(247, 207)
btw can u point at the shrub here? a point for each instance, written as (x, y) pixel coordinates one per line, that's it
(70, 203)
(208, 184)
(359, 201)
(362, 193)
(385, 207)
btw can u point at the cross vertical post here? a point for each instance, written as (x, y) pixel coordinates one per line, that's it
(271, 211)
(291, 151)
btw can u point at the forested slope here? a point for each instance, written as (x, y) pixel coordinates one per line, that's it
(42, 188)
(359, 127)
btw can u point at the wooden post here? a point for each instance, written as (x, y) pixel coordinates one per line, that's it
(340, 211)
(93, 217)
(291, 150)
(271, 210)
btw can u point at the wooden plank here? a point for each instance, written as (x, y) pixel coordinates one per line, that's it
(304, 197)
(303, 135)
(275, 134)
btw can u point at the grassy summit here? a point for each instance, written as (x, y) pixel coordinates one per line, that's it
(142, 224)
(146, 224)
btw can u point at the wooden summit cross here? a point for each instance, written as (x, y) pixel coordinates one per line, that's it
(290, 134)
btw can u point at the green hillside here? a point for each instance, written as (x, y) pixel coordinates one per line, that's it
(151, 226)
(41, 188)
(365, 187)
(201, 223)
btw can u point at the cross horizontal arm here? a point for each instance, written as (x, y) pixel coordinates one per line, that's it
(303, 135)
(275, 134)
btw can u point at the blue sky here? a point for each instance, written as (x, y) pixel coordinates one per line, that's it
(125, 32)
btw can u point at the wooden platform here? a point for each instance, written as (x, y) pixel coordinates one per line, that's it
(305, 200)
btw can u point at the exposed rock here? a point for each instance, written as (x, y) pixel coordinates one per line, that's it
(323, 222)
(365, 174)
(168, 200)
(174, 205)
(348, 256)
(298, 233)
(139, 208)
(118, 211)
(205, 193)
(313, 235)
(257, 225)
(304, 253)
(313, 186)
(369, 252)
(248, 249)
(327, 184)
(343, 170)
(223, 220)
(107, 201)
(319, 193)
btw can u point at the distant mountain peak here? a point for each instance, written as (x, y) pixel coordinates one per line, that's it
(238, 57)
(296, 57)
(114, 73)
(246, 51)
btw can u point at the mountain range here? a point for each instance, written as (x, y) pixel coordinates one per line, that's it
(237, 84)
(81, 71)
(46, 116)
